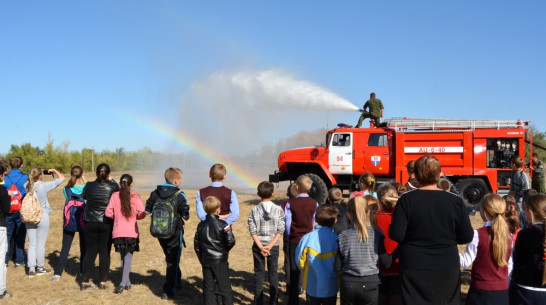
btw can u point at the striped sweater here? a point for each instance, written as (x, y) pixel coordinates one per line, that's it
(356, 258)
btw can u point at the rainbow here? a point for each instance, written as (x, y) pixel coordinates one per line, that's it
(193, 148)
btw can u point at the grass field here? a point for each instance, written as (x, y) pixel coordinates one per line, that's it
(148, 268)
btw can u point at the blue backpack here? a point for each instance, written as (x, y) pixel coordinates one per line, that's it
(73, 211)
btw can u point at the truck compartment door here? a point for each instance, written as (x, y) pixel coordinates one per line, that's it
(340, 158)
(376, 155)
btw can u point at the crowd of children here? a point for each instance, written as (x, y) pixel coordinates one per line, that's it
(341, 249)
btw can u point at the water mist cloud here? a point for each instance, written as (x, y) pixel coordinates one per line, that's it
(271, 89)
(239, 113)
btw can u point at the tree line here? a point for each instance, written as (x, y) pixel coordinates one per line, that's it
(62, 159)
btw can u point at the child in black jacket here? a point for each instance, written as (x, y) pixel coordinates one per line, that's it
(172, 246)
(213, 240)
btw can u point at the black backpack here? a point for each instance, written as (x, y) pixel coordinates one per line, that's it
(163, 224)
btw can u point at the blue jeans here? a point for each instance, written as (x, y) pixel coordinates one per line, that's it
(16, 229)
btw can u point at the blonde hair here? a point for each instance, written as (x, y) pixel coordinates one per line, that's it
(33, 176)
(493, 207)
(211, 204)
(304, 184)
(172, 173)
(357, 208)
(217, 172)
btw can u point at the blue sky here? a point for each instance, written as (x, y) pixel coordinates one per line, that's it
(76, 70)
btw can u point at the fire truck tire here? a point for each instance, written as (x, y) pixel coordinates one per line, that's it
(319, 190)
(472, 192)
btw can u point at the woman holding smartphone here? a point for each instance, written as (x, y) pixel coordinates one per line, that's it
(37, 233)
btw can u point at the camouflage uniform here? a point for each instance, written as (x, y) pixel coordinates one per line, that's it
(538, 177)
(374, 106)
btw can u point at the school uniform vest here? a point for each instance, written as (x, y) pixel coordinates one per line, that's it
(303, 210)
(486, 274)
(222, 193)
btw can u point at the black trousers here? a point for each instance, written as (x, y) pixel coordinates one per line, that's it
(285, 249)
(172, 248)
(216, 277)
(293, 291)
(98, 240)
(361, 292)
(68, 237)
(259, 273)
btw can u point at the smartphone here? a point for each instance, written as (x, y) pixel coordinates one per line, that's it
(46, 172)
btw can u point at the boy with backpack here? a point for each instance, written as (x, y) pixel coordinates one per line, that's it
(266, 226)
(169, 208)
(14, 182)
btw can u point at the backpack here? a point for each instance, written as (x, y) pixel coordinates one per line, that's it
(16, 197)
(73, 211)
(163, 224)
(31, 209)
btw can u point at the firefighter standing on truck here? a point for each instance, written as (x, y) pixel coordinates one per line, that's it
(375, 110)
(538, 175)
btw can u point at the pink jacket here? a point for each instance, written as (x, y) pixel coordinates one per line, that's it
(125, 227)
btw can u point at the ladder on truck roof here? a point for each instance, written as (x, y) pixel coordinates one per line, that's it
(433, 124)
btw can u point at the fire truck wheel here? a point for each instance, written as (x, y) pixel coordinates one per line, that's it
(319, 190)
(472, 192)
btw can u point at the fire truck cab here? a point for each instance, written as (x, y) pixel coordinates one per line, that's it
(475, 154)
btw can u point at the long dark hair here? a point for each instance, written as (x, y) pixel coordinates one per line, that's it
(125, 194)
(103, 170)
(75, 173)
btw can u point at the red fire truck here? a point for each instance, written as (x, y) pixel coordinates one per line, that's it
(475, 154)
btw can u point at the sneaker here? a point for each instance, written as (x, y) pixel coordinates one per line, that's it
(55, 278)
(16, 265)
(5, 295)
(42, 271)
(31, 273)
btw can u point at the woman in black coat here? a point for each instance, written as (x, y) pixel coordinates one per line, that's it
(428, 223)
(98, 228)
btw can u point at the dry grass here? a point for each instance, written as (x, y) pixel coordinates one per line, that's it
(148, 268)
